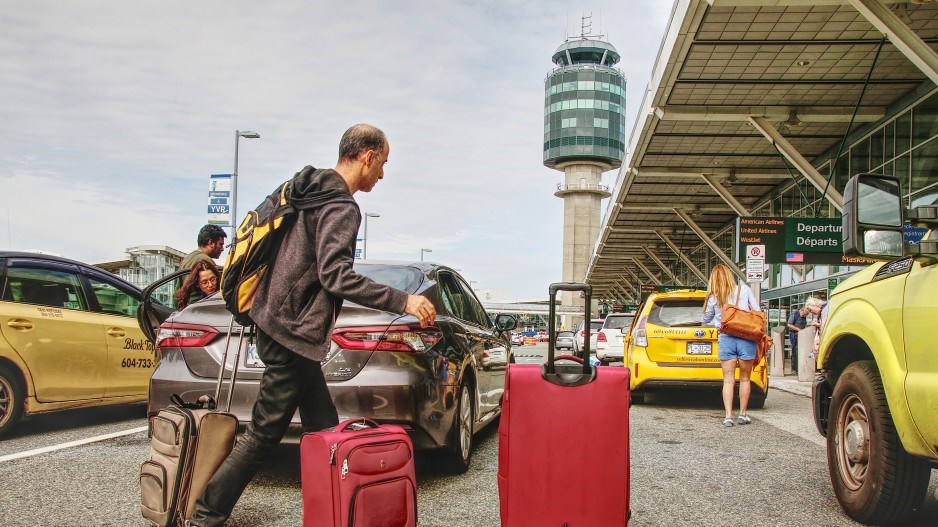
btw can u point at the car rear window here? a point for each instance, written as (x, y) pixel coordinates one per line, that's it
(565, 334)
(617, 322)
(397, 276)
(676, 313)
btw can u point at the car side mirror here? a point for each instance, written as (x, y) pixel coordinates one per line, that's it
(873, 217)
(505, 322)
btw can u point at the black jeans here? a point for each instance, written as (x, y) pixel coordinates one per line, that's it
(289, 382)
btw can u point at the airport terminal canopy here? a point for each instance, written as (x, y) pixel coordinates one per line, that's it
(748, 103)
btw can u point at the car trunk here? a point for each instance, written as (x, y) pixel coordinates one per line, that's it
(340, 365)
(676, 335)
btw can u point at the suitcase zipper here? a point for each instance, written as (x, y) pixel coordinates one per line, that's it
(349, 454)
(335, 446)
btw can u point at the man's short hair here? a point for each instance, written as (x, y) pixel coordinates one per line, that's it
(210, 233)
(359, 139)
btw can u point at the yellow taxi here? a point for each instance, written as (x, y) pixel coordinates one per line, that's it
(668, 347)
(68, 338)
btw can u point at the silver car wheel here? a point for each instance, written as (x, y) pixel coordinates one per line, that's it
(465, 422)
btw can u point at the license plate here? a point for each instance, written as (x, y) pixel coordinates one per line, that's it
(699, 348)
(251, 360)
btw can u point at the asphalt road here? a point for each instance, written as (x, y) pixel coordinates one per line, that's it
(687, 469)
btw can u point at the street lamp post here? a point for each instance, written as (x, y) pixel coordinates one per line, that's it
(234, 180)
(365, 238)
(422, 250)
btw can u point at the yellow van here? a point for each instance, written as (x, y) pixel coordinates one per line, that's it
(668, 347)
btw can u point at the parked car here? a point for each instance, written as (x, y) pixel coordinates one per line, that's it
(610, 341)
(517, 339)
(442, 383)
(69, 338)
(564, 340)
(668, 347)
(595, 325)
(542, 336)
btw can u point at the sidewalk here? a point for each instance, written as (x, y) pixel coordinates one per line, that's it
(790, 383)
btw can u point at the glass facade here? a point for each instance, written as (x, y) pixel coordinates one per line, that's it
(584, 105)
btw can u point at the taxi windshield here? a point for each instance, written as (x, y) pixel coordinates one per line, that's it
(676, 313)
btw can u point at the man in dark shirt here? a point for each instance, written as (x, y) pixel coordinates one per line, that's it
(796, 322)
(295, 308)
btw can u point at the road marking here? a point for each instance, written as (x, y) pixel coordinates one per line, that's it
(70, 444)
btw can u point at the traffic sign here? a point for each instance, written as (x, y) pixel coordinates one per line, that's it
(755, 263)
(219, 199)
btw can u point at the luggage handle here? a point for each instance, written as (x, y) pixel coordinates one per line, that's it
(234, 367)
(552, 330)
(361, 421)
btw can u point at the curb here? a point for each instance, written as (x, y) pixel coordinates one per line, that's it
(791, 386)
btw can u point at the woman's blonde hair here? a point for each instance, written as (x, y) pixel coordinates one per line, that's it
(721, 285)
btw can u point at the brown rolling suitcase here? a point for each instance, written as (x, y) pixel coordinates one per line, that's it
(188, 442)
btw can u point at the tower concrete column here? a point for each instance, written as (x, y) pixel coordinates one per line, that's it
(582, 192)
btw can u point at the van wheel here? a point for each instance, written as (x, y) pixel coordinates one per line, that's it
(875, 480)
(11, 401)
(459, 449)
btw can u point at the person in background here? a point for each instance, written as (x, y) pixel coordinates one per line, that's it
(202, 282)
(796, 322)
(818, 308)
(211, 240)
(732, 351)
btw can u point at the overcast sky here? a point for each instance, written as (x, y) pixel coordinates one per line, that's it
(114, 114)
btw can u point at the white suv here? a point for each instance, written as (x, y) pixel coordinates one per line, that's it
(610, 339)
(595, 325)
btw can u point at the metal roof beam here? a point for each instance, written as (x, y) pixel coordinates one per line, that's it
(687, 261)
(726, 195)
(805, 114)
(910, 44)
(654, 257)
(711, 244)
(649, 207)
(780, 3)
(802, 164)
(647, 271)
(692, 172)
(636, 281)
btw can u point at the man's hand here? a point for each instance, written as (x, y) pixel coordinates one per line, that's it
(421, 308)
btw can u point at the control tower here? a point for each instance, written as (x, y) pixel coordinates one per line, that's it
(584, 136)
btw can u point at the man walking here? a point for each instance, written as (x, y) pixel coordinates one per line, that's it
(211, 242)
(295, 308)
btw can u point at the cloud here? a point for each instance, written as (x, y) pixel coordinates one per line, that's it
(115, 114)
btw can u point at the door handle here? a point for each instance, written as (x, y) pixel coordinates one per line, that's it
(116, 332)
(20, 324)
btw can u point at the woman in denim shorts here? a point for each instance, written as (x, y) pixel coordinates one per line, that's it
(722, 290)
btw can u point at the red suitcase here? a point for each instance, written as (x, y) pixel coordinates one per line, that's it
(360, 474)
(564, 435)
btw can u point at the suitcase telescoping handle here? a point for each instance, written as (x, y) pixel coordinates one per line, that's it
(234, 367)
(555, 288)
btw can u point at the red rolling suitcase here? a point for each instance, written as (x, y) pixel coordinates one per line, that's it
(564, 427)
(360, 474)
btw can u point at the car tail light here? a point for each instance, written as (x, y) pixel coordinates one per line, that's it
(382, 338)
(601, 337)
(641, 338)
(583, 333)
(175, 335)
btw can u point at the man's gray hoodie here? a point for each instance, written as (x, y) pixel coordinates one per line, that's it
(298, 300)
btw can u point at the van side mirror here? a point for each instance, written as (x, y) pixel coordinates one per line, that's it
(873, 217)
(505, 322)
